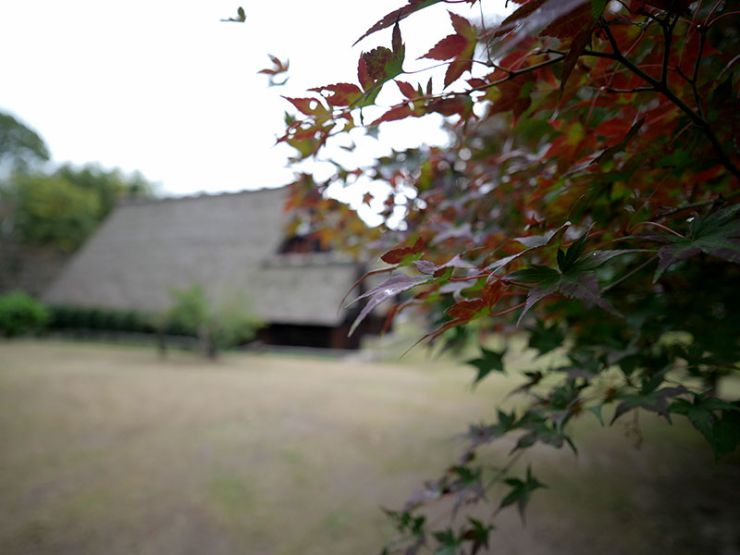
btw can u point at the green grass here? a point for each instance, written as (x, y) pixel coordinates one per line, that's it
(109, 450)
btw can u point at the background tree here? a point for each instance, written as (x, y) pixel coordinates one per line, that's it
(20, 146)
(110, 186)
(51, 211)
(61, 209)
(589, 198)
(58, 209)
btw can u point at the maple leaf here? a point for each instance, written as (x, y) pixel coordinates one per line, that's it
(580, 42)
(459, 48)
(377, 62)
(531, 243)
(574, 278)
(427, 267)
(537, 241)
(466, 310)
(717, 234)
(477, 535)
(340, 94)
(545, 339)
(278, 68)
(533, 17)
(385, 291)
(608, 153)
(521, 491)
(702, 413)
(399, 254)
(449, 47)
(407, 90)
(449, 544)
(380, 65)
(654, 401)
(511, 95)
(568, 25)
(489, 361)
(520, 13)
(397, 15)
(309, 106)
(397, 112)
(455, 106)
(241, 16)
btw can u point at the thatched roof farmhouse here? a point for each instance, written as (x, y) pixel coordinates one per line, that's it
(230, 245)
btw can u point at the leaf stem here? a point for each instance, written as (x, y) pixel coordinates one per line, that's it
(629, 274)
(659, 226)
(507, 311)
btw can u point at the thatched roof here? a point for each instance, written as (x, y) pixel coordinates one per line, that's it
(227, 244)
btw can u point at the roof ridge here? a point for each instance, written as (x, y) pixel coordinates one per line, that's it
(139, 201)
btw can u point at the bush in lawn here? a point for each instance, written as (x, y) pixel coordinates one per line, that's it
(21, 314)
(217, 327)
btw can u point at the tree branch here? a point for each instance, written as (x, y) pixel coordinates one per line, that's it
(667, 26)
(513, 73)
(663, 88)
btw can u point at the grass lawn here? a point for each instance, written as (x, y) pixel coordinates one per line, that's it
(107, 450)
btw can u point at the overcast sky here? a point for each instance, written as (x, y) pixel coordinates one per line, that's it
(165, 88)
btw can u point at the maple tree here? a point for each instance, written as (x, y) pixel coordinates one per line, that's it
(589, 198)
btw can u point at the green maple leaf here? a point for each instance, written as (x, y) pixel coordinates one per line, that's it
(715, 419)
(490, 361)
(717, 234)
(545, 339)
(448, 542)
(477, 535)
(574, 278)
(521, 491)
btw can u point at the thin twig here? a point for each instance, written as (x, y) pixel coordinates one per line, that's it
(659, 226)
(483, 28)
(630, 91)
(502, 471)
(629, 274)
(694, 205)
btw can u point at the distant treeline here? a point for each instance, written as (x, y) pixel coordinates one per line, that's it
(42, 204)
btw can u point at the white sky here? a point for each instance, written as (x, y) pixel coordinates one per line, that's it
(165, 88)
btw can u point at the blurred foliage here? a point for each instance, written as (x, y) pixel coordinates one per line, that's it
(21, 314)
(74, 318)
(51, 211)
(59, 208)
(217, 327)
(21, 148)
(63, 208)
(110, 186)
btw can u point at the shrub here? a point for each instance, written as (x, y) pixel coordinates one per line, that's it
(21, 314)
(217, 327)
(97, 319)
